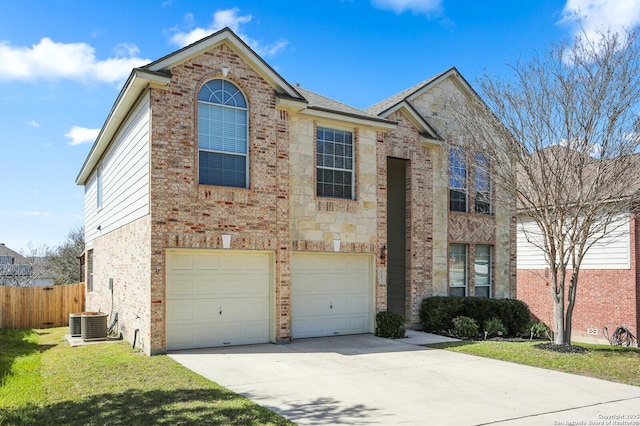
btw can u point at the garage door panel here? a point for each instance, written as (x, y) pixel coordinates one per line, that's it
(216, 299)
(244, 286)
(312, 284)
(205, 262)
(180, 261)
(180, 311)
(331, 294)
(243, 310)
(206, 287)
(182, 287)
(310, 305)
(359, 323)
(245, 333)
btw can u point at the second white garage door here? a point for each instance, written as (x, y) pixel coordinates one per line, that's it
(217, 298)
(330, 294)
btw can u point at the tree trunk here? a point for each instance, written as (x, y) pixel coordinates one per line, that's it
(558, 307)
(573, 286)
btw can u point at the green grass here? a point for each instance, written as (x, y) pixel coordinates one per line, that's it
(43, 381)
(613, 363)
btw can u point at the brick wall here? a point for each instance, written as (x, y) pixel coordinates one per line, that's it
(123, 255)
(404, 143)
(188, 215)
(605, 297)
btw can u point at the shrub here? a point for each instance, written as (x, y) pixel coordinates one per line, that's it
(540, 330)
(515, 315)
(437, 313)
(390, 325)
(494, 327)
(464, 327)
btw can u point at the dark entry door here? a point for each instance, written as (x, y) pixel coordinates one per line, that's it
(396, 234)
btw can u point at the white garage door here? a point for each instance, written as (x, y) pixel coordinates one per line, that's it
(216, 298)
(330, 294)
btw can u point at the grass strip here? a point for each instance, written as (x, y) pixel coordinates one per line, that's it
(613, 363)
(45, 382)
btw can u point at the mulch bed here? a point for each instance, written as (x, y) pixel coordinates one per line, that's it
(567, 349)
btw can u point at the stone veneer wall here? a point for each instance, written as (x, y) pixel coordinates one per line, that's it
(188, 215)
(467, 228)
(123, 255)
(316, 221)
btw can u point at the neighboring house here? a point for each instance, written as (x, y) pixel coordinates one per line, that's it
(608, 292)
(225, 206)
(17, 270)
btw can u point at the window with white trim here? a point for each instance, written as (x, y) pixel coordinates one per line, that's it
(334, 161)
(482, 270)
(482, 185)
(222, 135)
(457, 181)
(458, 270)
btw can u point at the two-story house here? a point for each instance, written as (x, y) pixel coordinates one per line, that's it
(225, 206)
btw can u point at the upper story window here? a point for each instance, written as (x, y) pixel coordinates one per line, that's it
(222, 135)
(334, 161)
(482, 185)
(457, 180)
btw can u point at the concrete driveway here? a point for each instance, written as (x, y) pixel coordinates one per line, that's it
(365, 380)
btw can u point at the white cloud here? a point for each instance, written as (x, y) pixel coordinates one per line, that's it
(80, 135)
(34, 213)
(221, 19)
(70, 61)
(33, 123)
(426, 7)
(593, 16)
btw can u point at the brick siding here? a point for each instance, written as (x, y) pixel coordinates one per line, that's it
(605, 297)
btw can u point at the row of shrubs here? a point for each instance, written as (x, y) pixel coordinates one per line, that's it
(472, 316)
(467, 317)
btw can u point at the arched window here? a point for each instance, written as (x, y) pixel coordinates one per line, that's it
(222, 135)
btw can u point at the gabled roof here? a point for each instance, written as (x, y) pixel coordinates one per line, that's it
(225, 35)
(158, 74)
(6, 251)
(402, 101)
(316, 102)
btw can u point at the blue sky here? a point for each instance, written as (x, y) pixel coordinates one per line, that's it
(62, 64)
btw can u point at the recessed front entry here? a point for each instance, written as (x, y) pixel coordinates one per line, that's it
(330, 294)
(396, 235)
(217, 298)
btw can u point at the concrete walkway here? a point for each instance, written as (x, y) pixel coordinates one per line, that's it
(366, 380)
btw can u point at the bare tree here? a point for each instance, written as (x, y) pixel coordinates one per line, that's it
(65, 265)
(560, 137)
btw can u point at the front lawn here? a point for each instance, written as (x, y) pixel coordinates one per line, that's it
(45, 381)
(614, 363)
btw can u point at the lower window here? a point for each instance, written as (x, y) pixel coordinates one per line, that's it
(90, 269)
(480, 283)
(482, 268)
(457, 270)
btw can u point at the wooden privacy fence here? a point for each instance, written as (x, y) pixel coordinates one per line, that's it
(40, 307)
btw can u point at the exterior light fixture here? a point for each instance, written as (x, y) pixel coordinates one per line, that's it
(226, 241)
